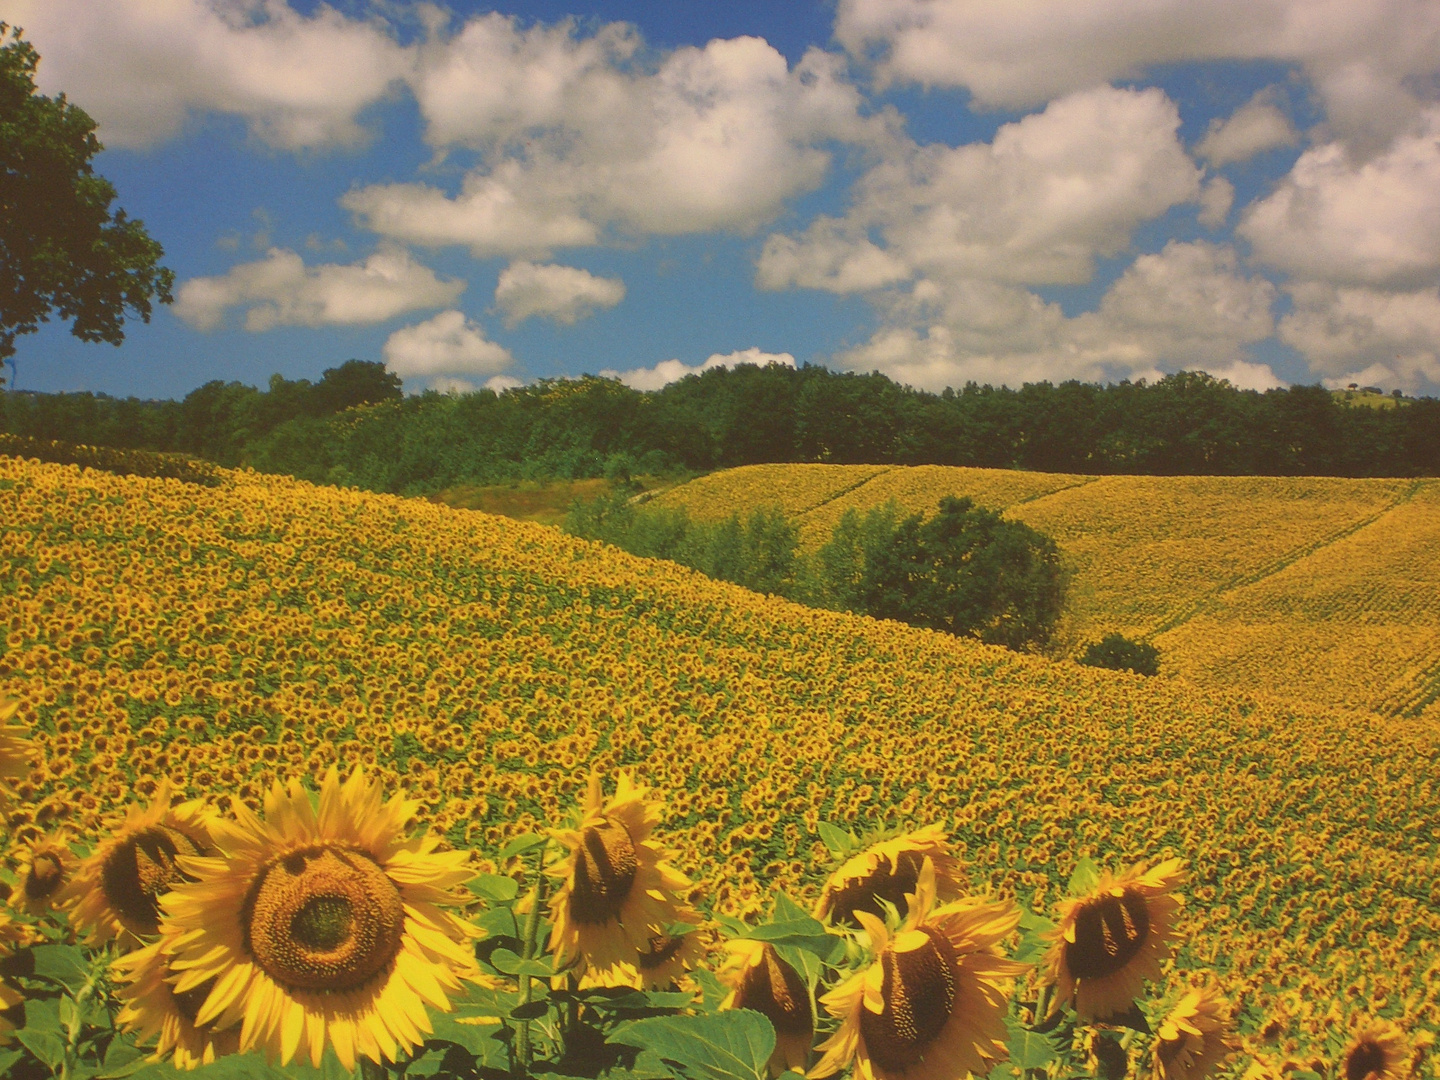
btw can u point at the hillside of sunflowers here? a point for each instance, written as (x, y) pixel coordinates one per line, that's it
(811, 840)
(1324, 590)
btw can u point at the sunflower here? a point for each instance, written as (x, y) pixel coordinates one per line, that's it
(617, 894)
(319, 924)
(16, 750)
(761, 980)
(152, 1006)
(888, 871)
(1109, 942)
(932, 1004)
(45, 866)
(1194, 1037)
(1377, 1049)
(116, 891)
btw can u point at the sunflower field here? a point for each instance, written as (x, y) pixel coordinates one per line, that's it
(311, 779)
(1326, 590)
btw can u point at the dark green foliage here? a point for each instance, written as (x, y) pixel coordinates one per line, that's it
(1184, 424)
(966, 571)
(1119, 653)
(759, 552)
(61, 248)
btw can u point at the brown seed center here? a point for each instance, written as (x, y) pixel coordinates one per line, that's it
(775, 989)
(324, 918)
(605, 866)
(46, 875)
(141, 868)
(888, 882)
(1109, 931)
(918, 991)
(1366, 1058)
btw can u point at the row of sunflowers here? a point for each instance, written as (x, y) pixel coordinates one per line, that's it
(223, 639)
(329, 923)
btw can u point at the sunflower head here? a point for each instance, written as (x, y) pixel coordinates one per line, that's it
(1378, 1050)
(116, 891)
(45, 867)
(319, 924)
(1110, 941)
(760, 979)
(931, 1005)
(617, 894)
(1194, 1037)
(888, 870)
(154, 1009)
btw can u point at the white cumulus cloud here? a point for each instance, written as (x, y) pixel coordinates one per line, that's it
(1372, 63)
(446, 345)
(1256, 126)
(579, 140)
(1366, 335)
(141, 67)
(1036, 205)
(563, 293)
(280, 290)
(668, 371)
(1373, 222)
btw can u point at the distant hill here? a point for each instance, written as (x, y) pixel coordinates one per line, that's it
(1323, 589)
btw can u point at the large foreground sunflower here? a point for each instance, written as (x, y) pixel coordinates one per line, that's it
(932, 1004)
(617, 894)
(116, 891)
(1109, 942)
(154, 1008)
(760, 979)
(1378, 1050)
(1194, 1037)
(321, 924)
(888, 871)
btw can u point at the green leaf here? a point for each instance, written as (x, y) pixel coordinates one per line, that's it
(494, 887)
(803, 933)
(330, 1069)
(712, 990)
(836, 839)
(732, 924)
(508, 963)
(8, 1058)
(122, 1058)
(1029, 1049)
(1032, 923)
(43, 1015)
(530, 1010)
(1085, 878)
(233, 1067)
(521, 844)
(478, 1039)
(731, 1045)
(810, 966)
(48, 1046)
(786, 910)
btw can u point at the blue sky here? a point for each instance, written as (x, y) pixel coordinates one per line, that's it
(943, 190)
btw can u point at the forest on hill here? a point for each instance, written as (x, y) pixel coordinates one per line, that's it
(355, 427)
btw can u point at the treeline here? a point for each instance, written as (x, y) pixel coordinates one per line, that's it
(964, 570)
(355, 427)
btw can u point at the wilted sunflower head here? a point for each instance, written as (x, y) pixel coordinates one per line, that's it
(45, 866)
(154, 1007)
(1378, 1049)
(617, 893)
(116, 891)
(1109, 942)
(17, 752)
(931, 1005)
(323, 923)
(1194, 1037)
(888, 870)
(760, 979)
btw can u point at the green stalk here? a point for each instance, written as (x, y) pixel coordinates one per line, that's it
(532, 931)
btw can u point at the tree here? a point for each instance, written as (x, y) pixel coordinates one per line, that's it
(1119, 653)
(61, 248)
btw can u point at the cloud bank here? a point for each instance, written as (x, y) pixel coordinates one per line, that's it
(668, 371)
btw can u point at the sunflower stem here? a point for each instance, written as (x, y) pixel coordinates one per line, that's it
(532, 932)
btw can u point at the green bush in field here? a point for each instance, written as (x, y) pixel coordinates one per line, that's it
(1119, 653)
